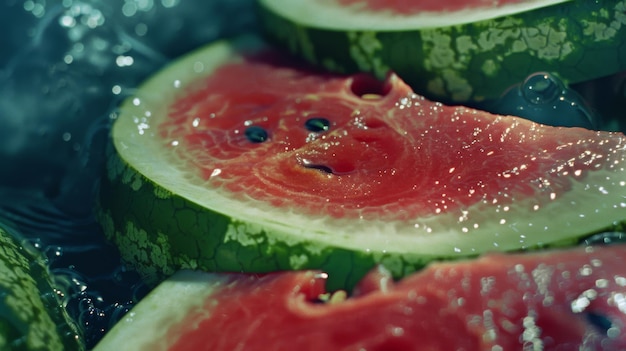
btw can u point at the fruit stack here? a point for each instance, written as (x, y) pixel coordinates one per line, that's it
(387, 175)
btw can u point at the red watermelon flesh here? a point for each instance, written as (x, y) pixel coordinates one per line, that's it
(563, 300)
(388, 154)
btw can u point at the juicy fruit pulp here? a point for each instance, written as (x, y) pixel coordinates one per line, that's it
(337, 173)
(464, 56)
(558, 300)
(379, 156)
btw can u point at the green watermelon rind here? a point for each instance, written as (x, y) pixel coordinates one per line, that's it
(466, 63)
(163, 219)
(31, 314)
(173, 233)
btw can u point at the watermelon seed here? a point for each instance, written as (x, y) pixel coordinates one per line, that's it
(256, 134)
(599, 321)
(339, 168)
(317, 124)
(332, 298)
(338, 296)
(371, 96)
(321, 168)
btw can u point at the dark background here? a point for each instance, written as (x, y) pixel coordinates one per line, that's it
(64, 68)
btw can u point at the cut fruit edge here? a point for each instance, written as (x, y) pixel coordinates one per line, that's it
(184, 304)
(591, 205)
(332, 15)
(166, 305)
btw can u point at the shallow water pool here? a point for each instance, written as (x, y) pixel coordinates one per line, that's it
(64, 67)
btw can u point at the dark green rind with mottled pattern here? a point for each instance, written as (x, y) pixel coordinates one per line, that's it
(159, 233)
(163, 220)
(576, 40)
(31, 315)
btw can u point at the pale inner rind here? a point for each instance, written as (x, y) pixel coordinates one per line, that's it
(166, 306)
(331, 15)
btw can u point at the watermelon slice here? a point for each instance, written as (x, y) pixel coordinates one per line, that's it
(454, 51)
(561, 300)
(32, 317)
(236, 159)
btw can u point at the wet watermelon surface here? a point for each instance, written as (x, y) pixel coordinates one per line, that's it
(84, 57)
(350, 146)
(564, 300)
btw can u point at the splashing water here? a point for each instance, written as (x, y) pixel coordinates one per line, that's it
(64, 67)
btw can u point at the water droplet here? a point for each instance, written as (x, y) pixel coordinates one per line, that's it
(541, 88)
(580, 304)
(605, 238)
(585, 270)
(198, 67)
(613, 332)
(602, 283)
(141, 29)
(124, 61)
(169, 3)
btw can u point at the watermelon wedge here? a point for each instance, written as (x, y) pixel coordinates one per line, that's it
(454, 51)
(236, 159)
(572, 299)
(32, 317)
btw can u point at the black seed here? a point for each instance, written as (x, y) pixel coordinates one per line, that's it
(317, 124)
(321, 168)
(599, 321)
(256, 134)
(605, 238)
